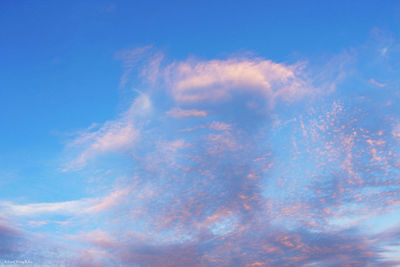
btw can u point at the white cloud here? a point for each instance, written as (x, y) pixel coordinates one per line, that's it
(66, 208)
(116, 135)
(71, 208)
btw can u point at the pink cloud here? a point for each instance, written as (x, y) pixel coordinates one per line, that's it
(109, 201)
(182, 113)
(219, 126)
(215, 80)
(97, 238)
(374, 82)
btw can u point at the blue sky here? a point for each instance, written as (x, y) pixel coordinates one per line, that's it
(199, 133)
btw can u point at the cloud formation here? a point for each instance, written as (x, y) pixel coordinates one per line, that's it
(237, 162)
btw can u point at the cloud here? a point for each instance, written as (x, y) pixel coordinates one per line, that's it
(190, 82)
(97, 238)
(182, 113)
(10, 238)
(378, 84)
(215, 80)
(112, 136)
(284, 193)
(145, 60)
(79, 207)
(219, 126)
(66, 208)
(235, 163)
(109, 201)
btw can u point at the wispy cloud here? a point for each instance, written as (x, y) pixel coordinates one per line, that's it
(80, 207)
(66, 208)
(117, 135)
(373, 82)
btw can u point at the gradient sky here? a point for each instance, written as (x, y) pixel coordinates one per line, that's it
(199, 133)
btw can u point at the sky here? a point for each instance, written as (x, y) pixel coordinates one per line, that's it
(199, 133)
